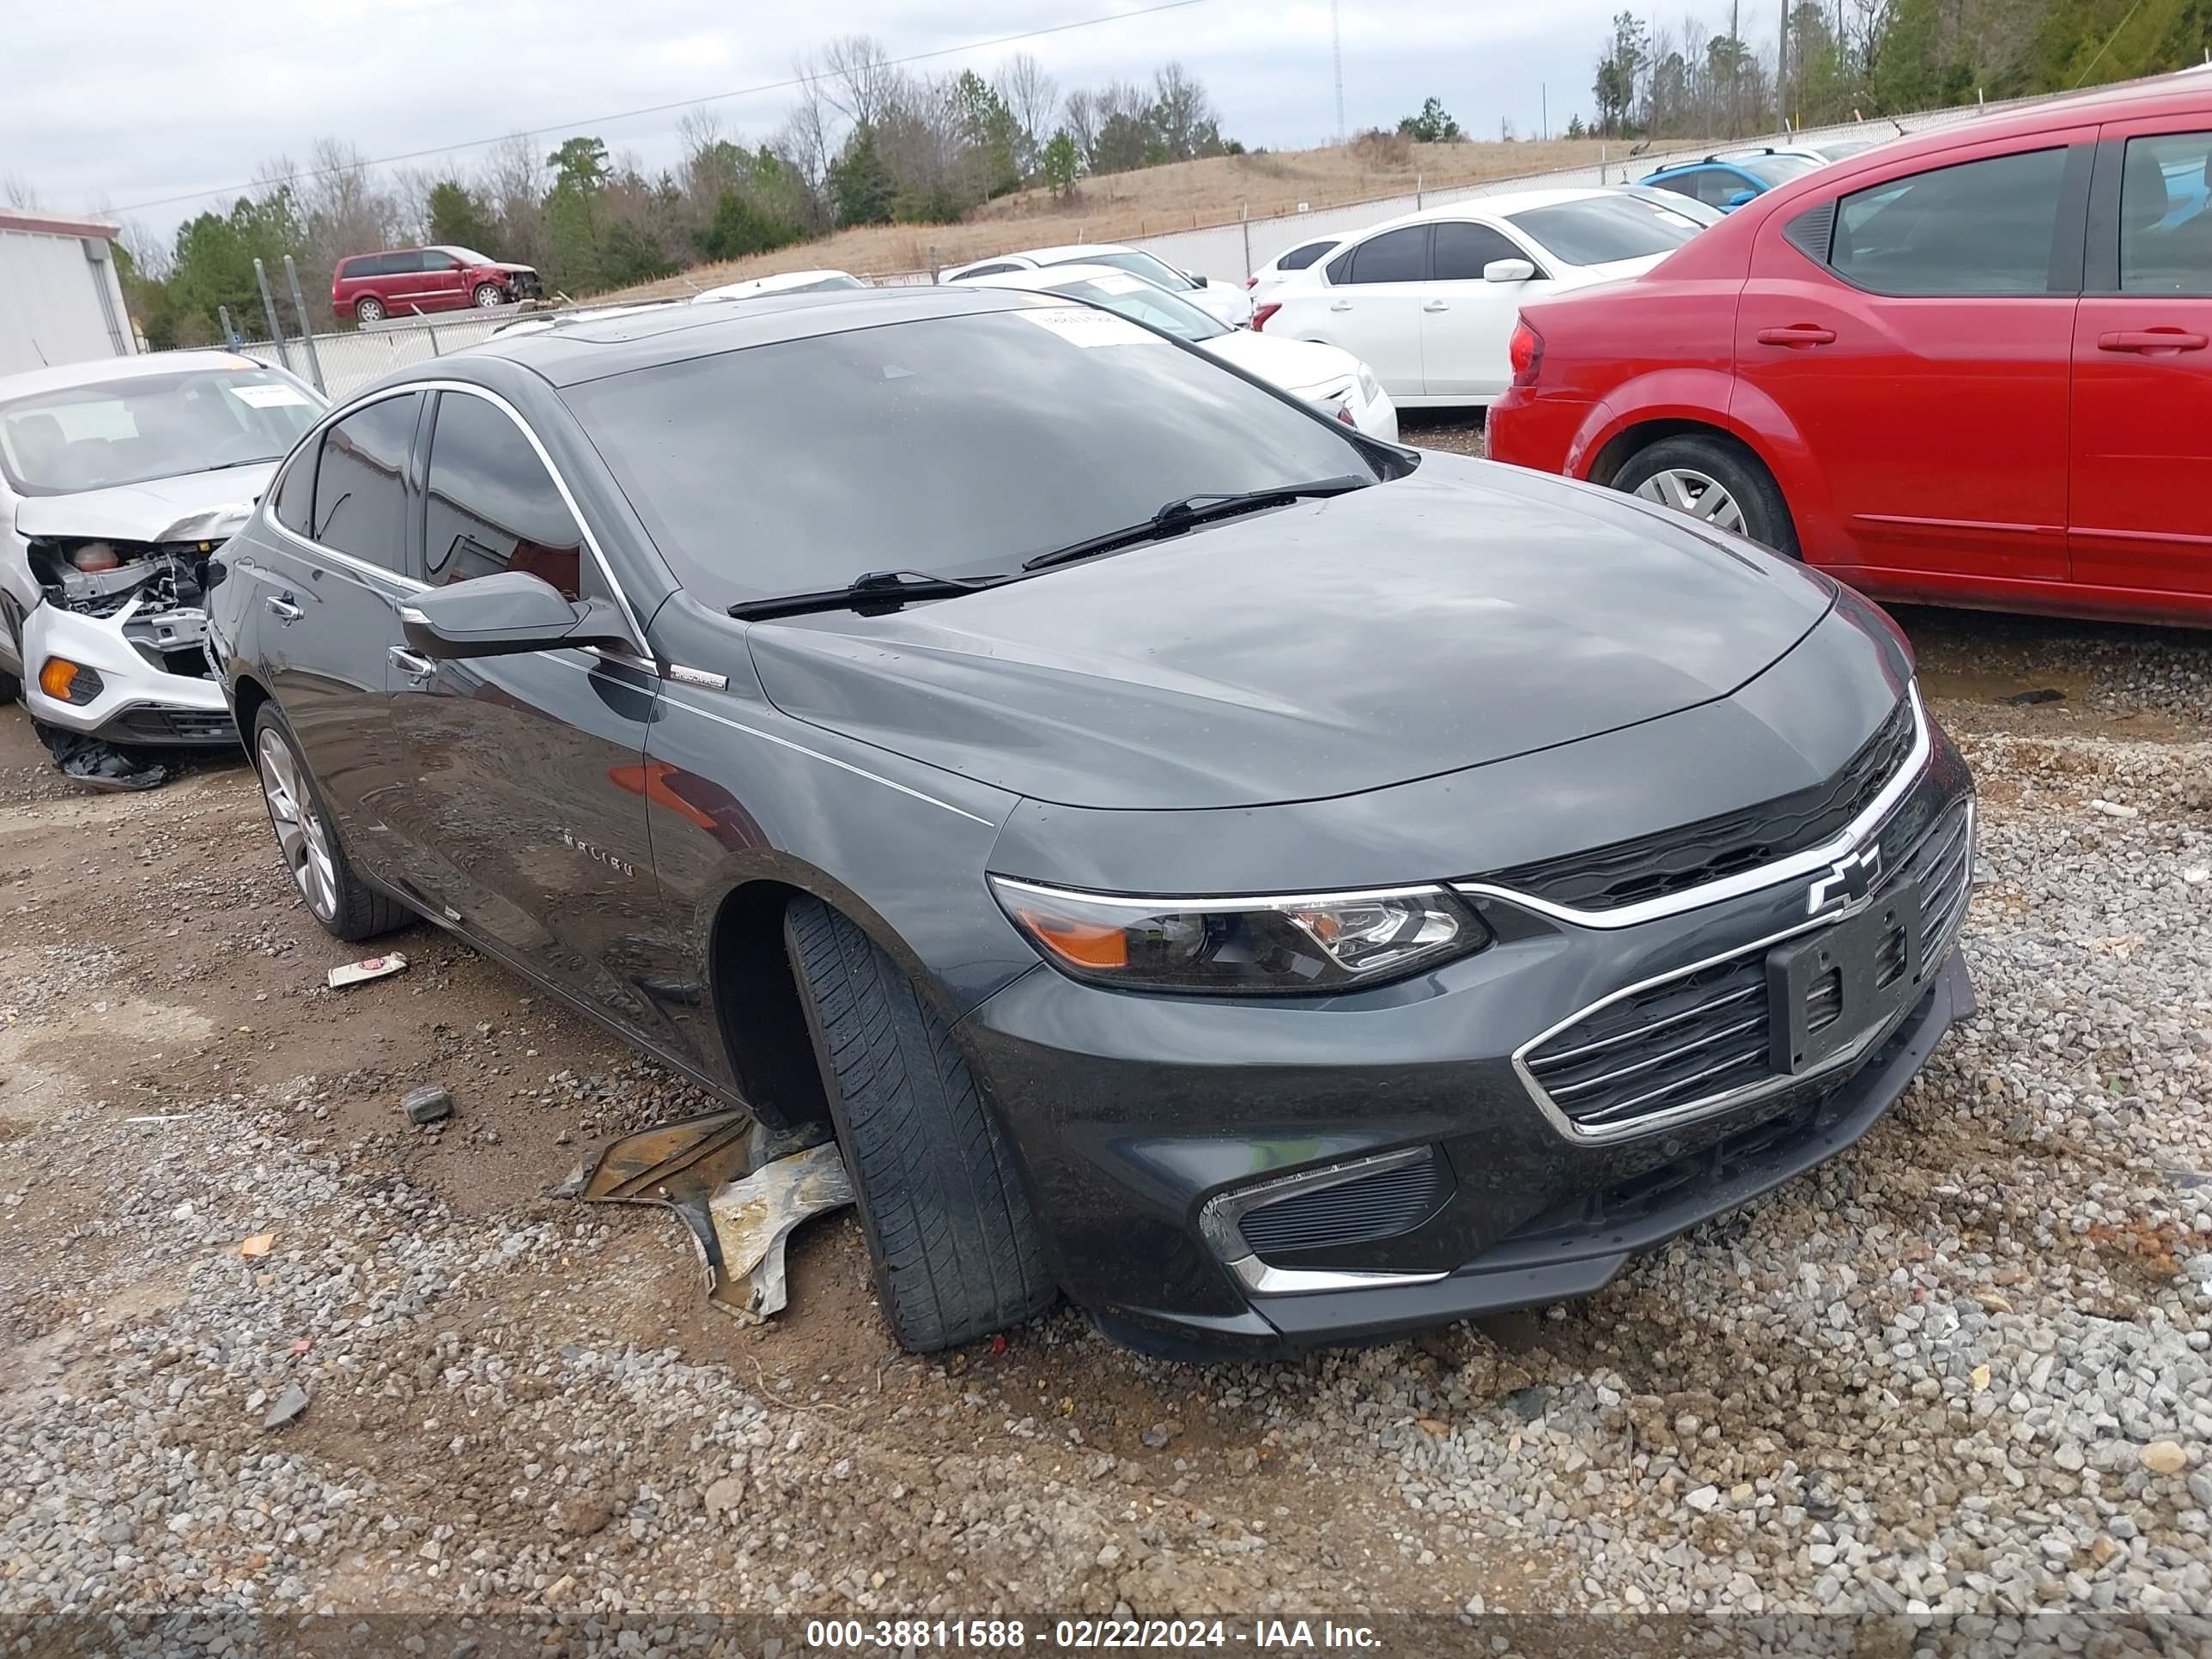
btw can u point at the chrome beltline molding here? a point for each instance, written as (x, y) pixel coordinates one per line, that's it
(1748, 881)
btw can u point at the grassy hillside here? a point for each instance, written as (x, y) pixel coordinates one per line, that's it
(1121, 205)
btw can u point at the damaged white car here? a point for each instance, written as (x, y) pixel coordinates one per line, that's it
(117, 478)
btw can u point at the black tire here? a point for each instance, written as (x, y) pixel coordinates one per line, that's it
(356, 910)
(1765, 513)
(368, 310)
(948, 1222)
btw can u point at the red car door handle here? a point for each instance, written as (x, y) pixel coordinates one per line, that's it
(1797, 334)
(2150, 339)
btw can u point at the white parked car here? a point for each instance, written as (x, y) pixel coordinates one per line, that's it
(784, 282)
(1334, 381)
(117, 478)
(1221, 301)
(1429, 301)
(1264, 281)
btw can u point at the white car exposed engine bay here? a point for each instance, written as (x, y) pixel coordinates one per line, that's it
(117, 479)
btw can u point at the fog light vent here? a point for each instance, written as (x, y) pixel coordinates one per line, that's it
(1357, 1211)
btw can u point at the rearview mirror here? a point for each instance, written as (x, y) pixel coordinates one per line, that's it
(1508, 270)
(505, 615)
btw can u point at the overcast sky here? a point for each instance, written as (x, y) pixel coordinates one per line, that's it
(117, 105)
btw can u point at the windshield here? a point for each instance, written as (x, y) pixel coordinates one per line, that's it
(1141, 302)
(956, 445)
(1778, 169)
(1141, 264)
(467, 256)
(155, 426)
(1599, 229)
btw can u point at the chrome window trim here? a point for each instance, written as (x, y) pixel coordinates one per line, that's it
(544, 458)
(829, 760)
(1934, 952)
(1813, 859)
(1218, 1220)
(1229, 901)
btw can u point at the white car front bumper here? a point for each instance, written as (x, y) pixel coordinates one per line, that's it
(135, 701)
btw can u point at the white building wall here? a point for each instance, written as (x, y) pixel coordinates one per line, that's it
(57, 303)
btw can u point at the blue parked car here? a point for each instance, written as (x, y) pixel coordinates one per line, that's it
(1728, 181)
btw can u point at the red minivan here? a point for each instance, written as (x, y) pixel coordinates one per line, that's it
(370, 287)
(1965, 368)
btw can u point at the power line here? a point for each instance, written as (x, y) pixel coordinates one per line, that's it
(662, 109)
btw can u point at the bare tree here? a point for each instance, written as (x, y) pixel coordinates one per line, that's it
(1083, 119)
(19, 191)
(1179, 108)
(512, 182)
(1029, 96)
(861, 79)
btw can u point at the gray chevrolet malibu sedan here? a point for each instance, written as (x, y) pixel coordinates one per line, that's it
(1271, 886)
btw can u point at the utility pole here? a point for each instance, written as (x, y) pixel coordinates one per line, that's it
(1736, 65)
(1782, 68)
(1544, 104)
(1336, 54)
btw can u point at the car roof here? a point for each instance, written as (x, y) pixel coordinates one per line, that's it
(1033, 278)
(647, 339)
(100, 369)
(1487, 207)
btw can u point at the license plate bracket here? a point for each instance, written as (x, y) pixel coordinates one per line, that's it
(1829, 988)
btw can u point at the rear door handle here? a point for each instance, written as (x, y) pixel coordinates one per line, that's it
(286, 610)
(1341, 305)
(1438, 305)
(1797, 334)
(2150, 339)
(416, 666)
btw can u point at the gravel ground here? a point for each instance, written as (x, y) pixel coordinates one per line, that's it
(1963, 1369)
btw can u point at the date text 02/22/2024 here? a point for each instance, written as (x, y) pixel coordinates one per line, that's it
(1012, 1635)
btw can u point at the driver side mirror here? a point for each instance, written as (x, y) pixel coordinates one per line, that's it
(1741, 197)
(1196, 279)
(1508, 270)
(507, 614)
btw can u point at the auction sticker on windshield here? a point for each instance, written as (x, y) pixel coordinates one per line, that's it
(1089, 329)
(268, 396)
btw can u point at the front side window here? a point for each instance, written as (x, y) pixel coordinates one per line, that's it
(1462, 250)
(360, 489)
(295, 504)
(2166, 215)
(1719, 186)
(1395, 256)
(151, 426)
(1983, 227)
(1602, 229)
(493, 505)
(956, 445)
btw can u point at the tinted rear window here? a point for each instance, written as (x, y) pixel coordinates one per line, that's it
(1604, 229)
(1299, 258)
(958, 445)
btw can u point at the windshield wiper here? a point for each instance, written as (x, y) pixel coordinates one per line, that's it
(872, 590)
(1188, 510)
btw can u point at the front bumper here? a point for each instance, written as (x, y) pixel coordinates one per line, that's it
(1138, 1117)
(138, 704)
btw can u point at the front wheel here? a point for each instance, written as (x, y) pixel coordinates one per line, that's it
(1715, 481)
(953, 1241)
(307, 841)
(488, 294)
(368, 310)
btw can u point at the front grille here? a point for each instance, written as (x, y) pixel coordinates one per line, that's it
(1675, 860)
(1701, 1034)
(1380, 1205)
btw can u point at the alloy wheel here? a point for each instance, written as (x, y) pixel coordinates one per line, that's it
(301, 836)
(1699, 495)
(487, 296)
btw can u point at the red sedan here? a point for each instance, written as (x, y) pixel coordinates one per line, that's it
(1967, 367)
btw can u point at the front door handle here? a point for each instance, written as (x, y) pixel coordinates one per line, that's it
(416, 666)
(1797, 334)
(2150, 339)
(1438, 305)
(286, 610)
(1341, 305)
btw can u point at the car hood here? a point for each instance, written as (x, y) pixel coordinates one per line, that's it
(1465, 614)
(158, 510)
(1294, 365)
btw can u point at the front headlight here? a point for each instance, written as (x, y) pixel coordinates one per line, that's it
(1248, 946)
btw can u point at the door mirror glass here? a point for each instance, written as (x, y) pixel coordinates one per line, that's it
(1508, 270)
(504, 616)
(1740, 197)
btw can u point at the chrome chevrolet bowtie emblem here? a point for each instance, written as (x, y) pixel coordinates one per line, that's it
(1848, 881)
